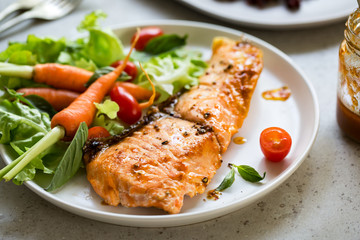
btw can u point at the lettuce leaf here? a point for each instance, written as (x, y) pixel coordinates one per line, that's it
(18, 121)
(106, 117)
(102, 46)
(173, 71)
(34, 50)
(21, 126)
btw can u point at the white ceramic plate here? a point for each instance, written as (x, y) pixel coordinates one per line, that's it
(276, 16)
(299, 115)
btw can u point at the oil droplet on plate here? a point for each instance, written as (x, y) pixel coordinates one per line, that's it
(240, 140)
(281, 94)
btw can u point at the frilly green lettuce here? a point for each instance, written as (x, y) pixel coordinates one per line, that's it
(173, 71)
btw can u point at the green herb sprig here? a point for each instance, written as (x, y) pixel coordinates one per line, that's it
(246, 172)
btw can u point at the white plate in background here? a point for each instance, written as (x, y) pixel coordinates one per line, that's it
(299, 115)
(276, 16)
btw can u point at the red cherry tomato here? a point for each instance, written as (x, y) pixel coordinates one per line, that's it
(275, 143)
(130, 68)
(146, 34)
(98, 132)
(130, 111)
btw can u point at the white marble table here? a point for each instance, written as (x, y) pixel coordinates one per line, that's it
(321, 200)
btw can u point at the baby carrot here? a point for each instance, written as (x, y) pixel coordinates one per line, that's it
(53, 74)
(62, 76)
(152, 98)
(138, 92)
(83, 108)
(58, 99)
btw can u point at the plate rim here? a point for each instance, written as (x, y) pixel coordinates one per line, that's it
(288, 25)
(200, 216)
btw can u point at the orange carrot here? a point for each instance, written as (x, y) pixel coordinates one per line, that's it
(98, 132)
(152, 98)
(62, 76)
(58, 99)
(83, 108)
(138, 92)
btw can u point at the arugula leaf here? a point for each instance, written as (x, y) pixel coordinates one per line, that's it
(71, 161)
(227, 181)
(249, 174)
(164, 43)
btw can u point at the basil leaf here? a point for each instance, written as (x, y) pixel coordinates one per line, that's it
(228, 181)
(249, 174)
(105, 70)
(71, 161)
(41, 104)
(164, 43)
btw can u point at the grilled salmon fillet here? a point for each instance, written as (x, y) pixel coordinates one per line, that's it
(168, 157)
(157, 165)
(222, 99)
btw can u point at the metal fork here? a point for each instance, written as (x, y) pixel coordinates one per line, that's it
(47, 10)
(18, 5)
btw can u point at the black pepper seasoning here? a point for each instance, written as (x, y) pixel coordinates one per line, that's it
(207, 115)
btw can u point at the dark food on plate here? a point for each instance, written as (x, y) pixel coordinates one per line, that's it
(291, 4)
(175, 150)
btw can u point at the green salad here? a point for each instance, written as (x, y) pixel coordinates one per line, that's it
(25, 121)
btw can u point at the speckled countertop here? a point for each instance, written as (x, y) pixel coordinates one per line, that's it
(321, 200)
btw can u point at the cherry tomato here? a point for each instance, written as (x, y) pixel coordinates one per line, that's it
(130, 111)
(146, 34)
(98, 132)
(275, 143)
(130, 68)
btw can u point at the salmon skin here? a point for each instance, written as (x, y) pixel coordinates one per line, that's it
(176, 149)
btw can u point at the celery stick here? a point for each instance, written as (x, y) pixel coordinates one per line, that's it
(49, 139)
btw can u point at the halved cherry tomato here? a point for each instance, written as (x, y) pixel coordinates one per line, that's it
(98, 132)
(275, 143)
(146, 34)
(130, 111)
(130, 68)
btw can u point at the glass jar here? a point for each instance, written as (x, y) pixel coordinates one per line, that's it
(348, 89)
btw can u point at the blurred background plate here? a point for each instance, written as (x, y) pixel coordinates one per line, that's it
(312, 13)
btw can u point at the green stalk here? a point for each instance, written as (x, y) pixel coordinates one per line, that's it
(48, 140)
(12, 70)
(10, 166)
